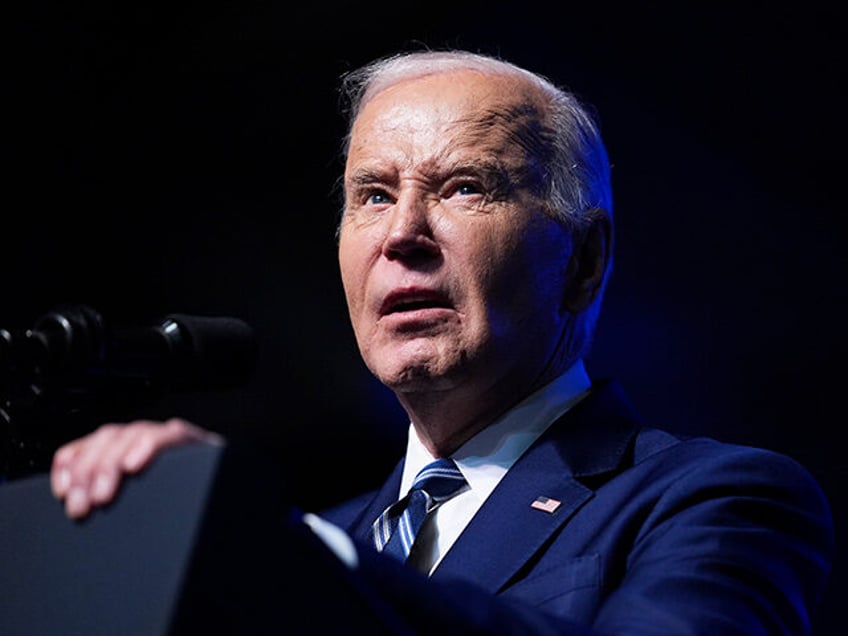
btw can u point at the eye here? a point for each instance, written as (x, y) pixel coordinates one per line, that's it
(377, 197)
(467, 188)
(465, 192)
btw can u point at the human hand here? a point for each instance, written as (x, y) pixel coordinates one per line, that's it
(87, 472)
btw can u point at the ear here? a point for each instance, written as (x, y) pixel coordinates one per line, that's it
(590, 259)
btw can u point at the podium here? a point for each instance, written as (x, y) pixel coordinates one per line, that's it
(202, 542)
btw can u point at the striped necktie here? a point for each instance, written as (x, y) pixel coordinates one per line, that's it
(394, 531)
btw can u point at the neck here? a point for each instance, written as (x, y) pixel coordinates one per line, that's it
(445, 419)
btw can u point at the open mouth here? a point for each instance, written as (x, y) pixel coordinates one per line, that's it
(414, 305)
(407, 302)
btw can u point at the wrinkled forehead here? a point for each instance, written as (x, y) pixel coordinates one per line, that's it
(449, 113)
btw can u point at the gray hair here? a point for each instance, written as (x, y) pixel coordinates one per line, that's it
(578, 171)
(576, 167)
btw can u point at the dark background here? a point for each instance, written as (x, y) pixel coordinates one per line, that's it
(182, 157)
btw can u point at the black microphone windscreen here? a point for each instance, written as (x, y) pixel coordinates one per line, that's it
(219, 351)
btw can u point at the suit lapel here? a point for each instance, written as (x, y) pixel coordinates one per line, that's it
(507, 531)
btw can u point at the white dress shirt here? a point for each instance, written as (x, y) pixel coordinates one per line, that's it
(485, 459)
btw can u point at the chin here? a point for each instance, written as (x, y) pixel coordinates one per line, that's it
(417, 364)
(413, 377)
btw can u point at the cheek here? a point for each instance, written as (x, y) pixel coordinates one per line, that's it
(488, 280)
(495, 259)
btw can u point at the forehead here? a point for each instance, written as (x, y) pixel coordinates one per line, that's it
(447, 112)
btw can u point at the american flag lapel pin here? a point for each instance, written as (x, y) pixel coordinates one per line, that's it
(546, 504)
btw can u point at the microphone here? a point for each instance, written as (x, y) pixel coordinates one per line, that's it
(71, 370)
(73, 346)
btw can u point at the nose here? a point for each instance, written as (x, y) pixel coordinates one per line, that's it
(410, 229)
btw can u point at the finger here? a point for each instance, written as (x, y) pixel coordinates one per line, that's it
(79, 470)
(128, 449)
(150, 442)
(88, 472)
(108, 469)
(64, 461)
(60, 474)
(133, 450)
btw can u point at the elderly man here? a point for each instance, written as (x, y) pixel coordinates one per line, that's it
(474, 248)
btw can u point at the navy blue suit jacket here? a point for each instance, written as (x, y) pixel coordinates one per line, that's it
(655, 534)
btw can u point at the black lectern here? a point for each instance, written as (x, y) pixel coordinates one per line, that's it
(203, 542)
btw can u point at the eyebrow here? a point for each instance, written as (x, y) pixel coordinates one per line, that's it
(494, 172)
(367, 176)
(500, 178)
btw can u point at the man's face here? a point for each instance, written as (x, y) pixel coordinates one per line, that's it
(453, 274)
